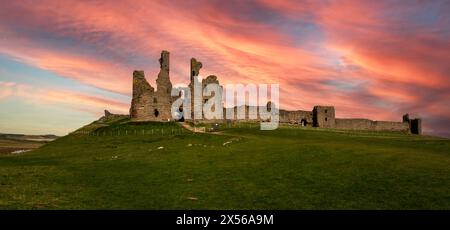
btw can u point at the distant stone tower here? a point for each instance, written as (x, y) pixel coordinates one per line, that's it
(415, 125)
(195, 71)
(211, 79)
(195, 68)
(323, 116)
(148, 105)
(143, 93)
(163, 98)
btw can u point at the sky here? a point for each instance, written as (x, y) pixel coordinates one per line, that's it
(63, 62)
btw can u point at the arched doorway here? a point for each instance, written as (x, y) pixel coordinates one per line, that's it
(181, 114)
(303, 122)
(156, 113)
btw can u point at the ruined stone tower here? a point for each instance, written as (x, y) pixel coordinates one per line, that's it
(164, 88)
(143, 93)
(195, 71)
(415, 125)
(148, 104)
(323, 116)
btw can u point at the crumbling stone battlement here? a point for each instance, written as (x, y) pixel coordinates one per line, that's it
(108, 117)
(148, 104)
(195, 68)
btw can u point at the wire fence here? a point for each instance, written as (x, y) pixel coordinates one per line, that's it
(163, 131)
(206, 128)
(134, 132)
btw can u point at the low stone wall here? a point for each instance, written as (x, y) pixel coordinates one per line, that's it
(251, 115)
(356, 124)
(366, 124)
(391, 126)
(295, 117)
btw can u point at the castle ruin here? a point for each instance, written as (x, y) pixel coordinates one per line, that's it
(150, 105)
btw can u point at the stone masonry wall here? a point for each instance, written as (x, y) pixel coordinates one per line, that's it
(143, 94)
(304, 118)
(366, 124)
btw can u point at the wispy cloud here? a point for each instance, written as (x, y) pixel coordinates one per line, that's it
(70, 99)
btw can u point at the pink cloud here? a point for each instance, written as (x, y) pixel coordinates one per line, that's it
(6, 89)
(75, 100)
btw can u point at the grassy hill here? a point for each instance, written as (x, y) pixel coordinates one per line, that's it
(123, 165)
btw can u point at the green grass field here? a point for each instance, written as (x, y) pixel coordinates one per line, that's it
(116, 167)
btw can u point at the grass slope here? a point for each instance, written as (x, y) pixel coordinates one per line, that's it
(242, 168)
